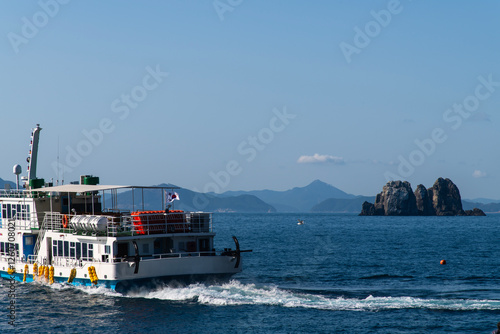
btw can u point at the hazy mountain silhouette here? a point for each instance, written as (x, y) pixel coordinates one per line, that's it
(4, 182)
(341, 205)
(190, 201)
(298, 199)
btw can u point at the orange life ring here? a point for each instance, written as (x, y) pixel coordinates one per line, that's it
(65, 221)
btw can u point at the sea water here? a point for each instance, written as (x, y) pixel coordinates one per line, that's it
(334, 274)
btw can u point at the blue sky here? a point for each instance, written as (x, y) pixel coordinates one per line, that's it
(245, 95)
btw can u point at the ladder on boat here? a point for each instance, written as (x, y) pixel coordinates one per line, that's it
(48, 219)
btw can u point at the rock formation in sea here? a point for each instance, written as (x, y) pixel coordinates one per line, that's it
(367, 209)
(445, 198)
(424, 204)
(474, 212)
(398, 199)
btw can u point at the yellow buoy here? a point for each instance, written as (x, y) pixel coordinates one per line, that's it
(46, 272)
(40, 272)
(35, 270)
(72, 275)
(26, 269)
(92, 275)
(51, 275)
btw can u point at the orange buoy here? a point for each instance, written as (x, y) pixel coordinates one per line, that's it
(65, 221)
(443, 262)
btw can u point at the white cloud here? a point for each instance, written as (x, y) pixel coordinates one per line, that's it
(320, 158)
(478, 174)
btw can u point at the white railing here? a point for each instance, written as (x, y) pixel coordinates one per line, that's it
(143, 223)
(13, 193)
(166, 256)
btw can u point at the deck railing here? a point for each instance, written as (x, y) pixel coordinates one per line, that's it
(115, 225)
(13, 193)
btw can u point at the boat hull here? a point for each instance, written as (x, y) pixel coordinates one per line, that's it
(152, 273)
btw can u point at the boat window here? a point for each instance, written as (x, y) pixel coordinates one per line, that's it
(91, 252)
(66, 248)
(182, 246)
(204, 245)
(13, 212)
(9, 213)
(145, 248)
(107, 249)
(78, 250)
(122, 249)
(59, 248)
(84, 250)
(25, 212)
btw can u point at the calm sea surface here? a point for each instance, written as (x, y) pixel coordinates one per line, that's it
(334, 274)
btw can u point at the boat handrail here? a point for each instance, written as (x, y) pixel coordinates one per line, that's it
(129, 224)
(167, 256)
(14, 193)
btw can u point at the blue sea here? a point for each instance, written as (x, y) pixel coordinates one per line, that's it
(334, 274)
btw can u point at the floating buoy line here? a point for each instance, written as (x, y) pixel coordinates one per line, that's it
(46, 274)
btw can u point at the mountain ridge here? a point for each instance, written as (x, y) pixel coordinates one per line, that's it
(297, 199)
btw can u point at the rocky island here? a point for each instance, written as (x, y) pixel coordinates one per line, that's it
(398, 199)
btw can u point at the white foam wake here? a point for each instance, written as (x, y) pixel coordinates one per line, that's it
(236, 293)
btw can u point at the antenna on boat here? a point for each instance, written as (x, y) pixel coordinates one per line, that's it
(59, 169)
(17, 170)
(33, 155)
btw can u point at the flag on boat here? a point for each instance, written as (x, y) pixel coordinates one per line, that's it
(172, 196)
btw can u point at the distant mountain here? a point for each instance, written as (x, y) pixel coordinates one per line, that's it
(299, 199)
(192, 201)
(487, 208)
(482, 200)
(342, 205)
(4, 182)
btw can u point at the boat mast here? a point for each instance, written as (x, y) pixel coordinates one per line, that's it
(32, 159)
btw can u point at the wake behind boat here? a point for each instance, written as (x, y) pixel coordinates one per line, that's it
(77, 233)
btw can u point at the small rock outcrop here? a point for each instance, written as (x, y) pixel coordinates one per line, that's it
(424, 204)
(473, 212)
(398, 199)
(445, 198)
(367, 209)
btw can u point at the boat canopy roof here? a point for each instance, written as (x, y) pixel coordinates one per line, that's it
(81, 188)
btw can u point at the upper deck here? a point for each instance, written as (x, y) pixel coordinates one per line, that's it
(80, 209)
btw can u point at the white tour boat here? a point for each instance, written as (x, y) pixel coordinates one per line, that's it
(66, 233)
